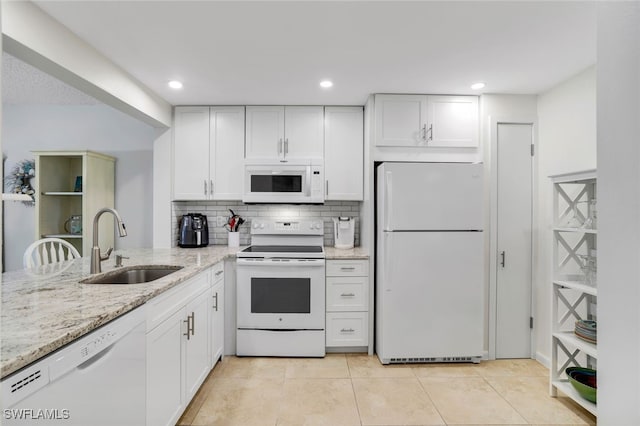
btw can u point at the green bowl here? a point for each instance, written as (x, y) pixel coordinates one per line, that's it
(584, 381)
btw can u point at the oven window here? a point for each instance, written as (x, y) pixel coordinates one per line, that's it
(276, 183)
(280, 295)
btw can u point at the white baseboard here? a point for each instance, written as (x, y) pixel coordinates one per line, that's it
(544, 360)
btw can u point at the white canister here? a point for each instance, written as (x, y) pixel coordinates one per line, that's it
(343, 232)
(234, 239)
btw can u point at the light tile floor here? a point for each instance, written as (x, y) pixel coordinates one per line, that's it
(355, 389)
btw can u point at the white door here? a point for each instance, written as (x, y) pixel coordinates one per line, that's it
(400, 120)
(265, 132)
(304, 132)
(453, 121)
(430, 295)
(227, 152)
(430, 196)
(196, 359)
(164, 371)
(217, 320)
(191, 153)
(343, 153)
(514, 216)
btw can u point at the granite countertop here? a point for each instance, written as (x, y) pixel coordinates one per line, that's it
(352, 253)
(46, 308)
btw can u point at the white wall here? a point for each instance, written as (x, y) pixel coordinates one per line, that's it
(618, 114)
(97, 128)
(566, 143)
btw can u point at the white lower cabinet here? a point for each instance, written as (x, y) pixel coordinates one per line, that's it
(165, 400)
(217, 314)
(196, 343)
(181, 331)
(347, 323)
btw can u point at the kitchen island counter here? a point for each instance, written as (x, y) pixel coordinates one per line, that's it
(45, 308)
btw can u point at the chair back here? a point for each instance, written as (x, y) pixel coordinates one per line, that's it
(47, 251)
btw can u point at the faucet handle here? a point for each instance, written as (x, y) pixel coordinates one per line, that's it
(119, 258)
(107, 254)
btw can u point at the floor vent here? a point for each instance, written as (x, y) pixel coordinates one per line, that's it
(474, 359)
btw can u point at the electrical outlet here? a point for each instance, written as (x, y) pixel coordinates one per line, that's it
(221, 220)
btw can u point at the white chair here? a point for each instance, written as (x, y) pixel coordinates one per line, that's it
(47, 251)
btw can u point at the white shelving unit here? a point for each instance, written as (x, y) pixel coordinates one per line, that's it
(574, 293)
(56, 200)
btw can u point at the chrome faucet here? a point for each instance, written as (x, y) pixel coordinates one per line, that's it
(96, 257)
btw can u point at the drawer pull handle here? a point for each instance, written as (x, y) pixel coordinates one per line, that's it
(347, 268)
(218, 273)
(347, 295)
(347, 330)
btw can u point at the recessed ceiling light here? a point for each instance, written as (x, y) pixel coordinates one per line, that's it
(175, 84)
(325, 84)
(477, 86)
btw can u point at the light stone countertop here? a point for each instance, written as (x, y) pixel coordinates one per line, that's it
(46, 308)
(352, 253)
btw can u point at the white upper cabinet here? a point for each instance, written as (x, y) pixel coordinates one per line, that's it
(226, 148)
(208, 150)
(400, 120)
(426, 121)
(303, 131)
(343, 153)
(453, 121)
(284, 133)
(191, 153)
(265, 132)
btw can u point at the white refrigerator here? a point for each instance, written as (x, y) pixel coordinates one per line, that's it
(429, 262)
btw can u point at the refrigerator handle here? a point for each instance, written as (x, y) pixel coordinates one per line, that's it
(503, 256)
(388, 199)
(387, 262)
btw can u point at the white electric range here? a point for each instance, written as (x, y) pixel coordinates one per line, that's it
(281, 290)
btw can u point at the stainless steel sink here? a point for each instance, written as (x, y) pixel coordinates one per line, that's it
(133, 274)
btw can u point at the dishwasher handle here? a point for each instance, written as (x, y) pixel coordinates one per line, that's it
(97, 357)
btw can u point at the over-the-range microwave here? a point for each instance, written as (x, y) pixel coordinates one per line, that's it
(276, 182)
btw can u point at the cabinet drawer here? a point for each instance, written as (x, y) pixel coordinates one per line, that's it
(163, 306)
(347, 294)
(347, 329)
(217, 273)
(341, 268)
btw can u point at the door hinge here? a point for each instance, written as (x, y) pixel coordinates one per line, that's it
(531, 322)
(533, 150)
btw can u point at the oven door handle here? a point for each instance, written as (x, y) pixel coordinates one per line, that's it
(281, 262)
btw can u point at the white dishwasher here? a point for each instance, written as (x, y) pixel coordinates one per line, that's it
(98, 380)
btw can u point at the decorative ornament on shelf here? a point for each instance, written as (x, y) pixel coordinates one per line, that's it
(19, 178)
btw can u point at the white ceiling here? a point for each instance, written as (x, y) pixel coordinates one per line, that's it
(277, 52)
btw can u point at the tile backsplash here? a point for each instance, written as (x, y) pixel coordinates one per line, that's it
(218, 234)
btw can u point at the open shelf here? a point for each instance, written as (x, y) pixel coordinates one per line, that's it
(574, 259)
(577, 285)
(64, 236)
(569, 337)
(583, 230)
(565, 387)
(61, 193)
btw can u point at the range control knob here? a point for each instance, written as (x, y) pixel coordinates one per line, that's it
(255, 226)
(262, 226)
